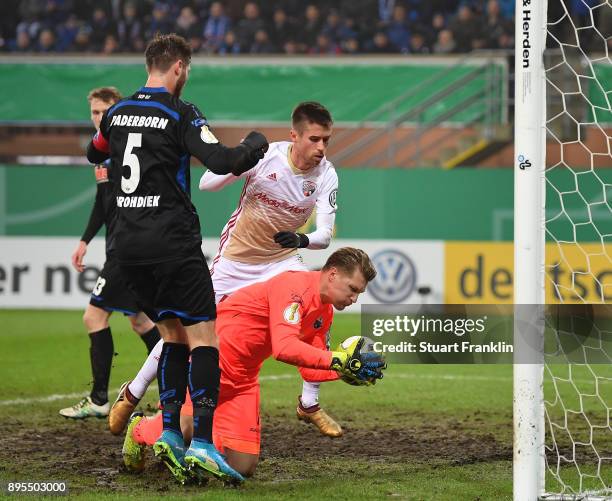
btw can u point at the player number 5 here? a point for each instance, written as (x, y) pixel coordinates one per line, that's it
(130, 183)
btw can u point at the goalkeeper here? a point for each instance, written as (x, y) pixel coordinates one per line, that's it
(288, 317)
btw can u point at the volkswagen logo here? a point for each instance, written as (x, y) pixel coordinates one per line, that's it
(395, 278)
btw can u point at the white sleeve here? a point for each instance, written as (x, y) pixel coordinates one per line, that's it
(326, 201)
(214, 182)
(321, 237)
(326, 213)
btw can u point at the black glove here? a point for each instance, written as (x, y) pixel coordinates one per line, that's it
(291, 240)
(256, 146)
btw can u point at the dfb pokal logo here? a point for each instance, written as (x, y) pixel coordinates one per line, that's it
(395, 277)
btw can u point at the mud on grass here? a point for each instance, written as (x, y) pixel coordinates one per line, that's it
(86, 455)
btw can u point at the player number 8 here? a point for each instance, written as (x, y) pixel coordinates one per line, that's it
(130, 183)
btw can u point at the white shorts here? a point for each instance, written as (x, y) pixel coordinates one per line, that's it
(229, 276)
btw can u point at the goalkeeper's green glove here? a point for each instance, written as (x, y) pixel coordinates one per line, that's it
(364, 367)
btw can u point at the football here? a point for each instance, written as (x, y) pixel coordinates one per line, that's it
(348, 346)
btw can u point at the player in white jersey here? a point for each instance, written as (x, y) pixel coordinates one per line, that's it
(261, 240)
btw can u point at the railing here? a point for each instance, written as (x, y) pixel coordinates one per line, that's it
(491, 98)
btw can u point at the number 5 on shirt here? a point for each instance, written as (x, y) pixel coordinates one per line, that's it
(130, 183)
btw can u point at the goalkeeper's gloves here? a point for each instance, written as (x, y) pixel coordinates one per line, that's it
(291, 240)
(366, 367)
(256, 145)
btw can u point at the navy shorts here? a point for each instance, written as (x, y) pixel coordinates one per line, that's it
(111, 292)
(179, 289)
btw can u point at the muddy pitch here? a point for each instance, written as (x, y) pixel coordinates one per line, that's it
(59, 449)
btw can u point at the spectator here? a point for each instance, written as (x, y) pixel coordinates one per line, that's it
(46, 41)
(350, 46)
(418, 44)
(496, 25)
(311, 27)
(397, 29)
(160, 21)
(335, 29)
(196, 43)
(445, 43)
(23, 43)
(324, 46)
(215, 28)
(100, 26)
(261, 43)
(31, 26)
(187, 24)
(380, 44)
(438, 23)
(82, 40)
(291, 47)
(66, 33)
(466, 27)
(248, 26)
(129, 29)
(282, 28)
(111, 45)
(505, 41)
(230, 44)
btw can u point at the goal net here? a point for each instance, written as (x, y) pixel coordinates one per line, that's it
(563, 247)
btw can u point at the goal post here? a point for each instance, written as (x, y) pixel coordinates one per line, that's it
(529, 246)
(563, 250)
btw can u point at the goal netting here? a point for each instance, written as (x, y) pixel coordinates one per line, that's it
(564, 50)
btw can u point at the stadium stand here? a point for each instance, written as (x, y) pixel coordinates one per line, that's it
(243, 27)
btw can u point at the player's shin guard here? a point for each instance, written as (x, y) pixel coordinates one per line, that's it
(150, 339)
(172, 377)
(204, 378)
(101, 353)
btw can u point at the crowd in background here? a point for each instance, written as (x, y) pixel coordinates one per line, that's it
(263, 27)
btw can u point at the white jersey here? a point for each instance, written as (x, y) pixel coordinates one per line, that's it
(276, 197)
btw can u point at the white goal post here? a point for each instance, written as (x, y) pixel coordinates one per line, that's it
(529, 238)
(563, 412)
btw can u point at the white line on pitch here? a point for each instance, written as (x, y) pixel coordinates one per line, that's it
(271, 377)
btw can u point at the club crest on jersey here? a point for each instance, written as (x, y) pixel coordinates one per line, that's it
(292, 313)
(207, 136)
(318, 323)
(308, 188)
(332, 199)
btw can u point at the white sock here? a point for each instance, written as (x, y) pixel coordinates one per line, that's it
(147, 373)
(310, 394)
